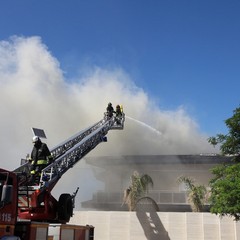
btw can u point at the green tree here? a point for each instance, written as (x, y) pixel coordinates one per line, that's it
(138, 188)
(225, 185)
(197, 194)
(225, 191)
(230, 143)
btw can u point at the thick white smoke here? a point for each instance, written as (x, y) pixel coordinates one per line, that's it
(34, 93)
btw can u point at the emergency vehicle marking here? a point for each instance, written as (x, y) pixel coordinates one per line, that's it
(6, 217)
(23, 202)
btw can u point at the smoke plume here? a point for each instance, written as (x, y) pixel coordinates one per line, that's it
(34, 92)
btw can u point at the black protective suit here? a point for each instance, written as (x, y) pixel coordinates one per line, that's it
(40, 157)
(40, 151)
(110, 110)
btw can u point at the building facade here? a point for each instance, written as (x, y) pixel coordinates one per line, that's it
(167, 192)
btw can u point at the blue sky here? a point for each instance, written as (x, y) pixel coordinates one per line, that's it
(181, 53)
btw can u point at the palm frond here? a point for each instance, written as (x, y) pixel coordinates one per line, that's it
(137, 189)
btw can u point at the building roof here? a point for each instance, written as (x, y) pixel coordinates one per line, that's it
(157, 159)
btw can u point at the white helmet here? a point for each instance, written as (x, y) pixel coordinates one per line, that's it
(35, 139)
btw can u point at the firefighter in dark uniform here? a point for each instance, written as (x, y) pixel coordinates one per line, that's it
(118, 111)
(40, 158)
(118, 114)
(110, 110)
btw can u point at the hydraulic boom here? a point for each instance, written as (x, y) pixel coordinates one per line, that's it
(36, 202)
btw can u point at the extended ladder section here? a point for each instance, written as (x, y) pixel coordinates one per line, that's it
(68, 153)
(60, 149)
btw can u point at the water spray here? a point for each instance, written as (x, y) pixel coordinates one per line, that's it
(145, 125)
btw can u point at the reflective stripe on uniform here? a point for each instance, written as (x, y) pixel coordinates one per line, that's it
(41, 162)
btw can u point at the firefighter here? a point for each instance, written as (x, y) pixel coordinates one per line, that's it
(110, 110)
(118, 114)
(118, 111)
(40, 158)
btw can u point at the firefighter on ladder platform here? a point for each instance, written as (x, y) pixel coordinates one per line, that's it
(118, 111)
(40, 158)
(110, 110)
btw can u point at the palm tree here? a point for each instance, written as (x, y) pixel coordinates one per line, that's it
(138, 188)
(197, 194)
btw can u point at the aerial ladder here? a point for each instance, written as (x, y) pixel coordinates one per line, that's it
(36, 202)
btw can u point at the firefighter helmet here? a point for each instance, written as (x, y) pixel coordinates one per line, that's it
(35, 139)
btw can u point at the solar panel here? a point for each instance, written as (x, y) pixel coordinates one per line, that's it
(38, 132)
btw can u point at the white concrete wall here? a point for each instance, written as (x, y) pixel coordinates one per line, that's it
(158, 226)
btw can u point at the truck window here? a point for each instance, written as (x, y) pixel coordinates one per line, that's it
(7, 194)
(1, 187)
(6, 188)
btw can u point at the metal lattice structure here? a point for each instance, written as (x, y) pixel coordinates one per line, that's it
(70, 151)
